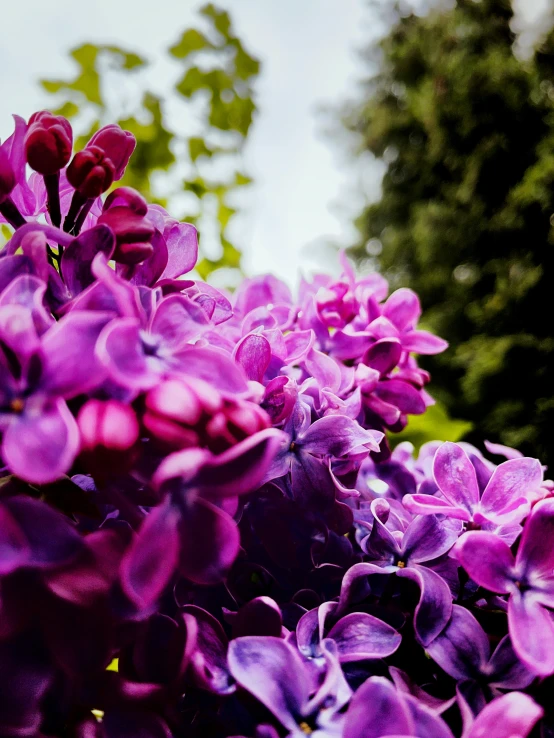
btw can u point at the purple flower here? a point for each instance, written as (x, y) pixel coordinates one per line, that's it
(377, 710)
(307, 449)
(37, 374)
(273, 672)
(528, 579)
(192, 528)
(462, 649)
(357, 636)
(504, 500)
(404, 553)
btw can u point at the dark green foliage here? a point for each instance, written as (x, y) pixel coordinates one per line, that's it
(466, 129)
(216, 77)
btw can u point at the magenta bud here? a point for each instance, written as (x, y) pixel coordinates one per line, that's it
(126, 197)
(132, 233)
(48, 142)
(117, 145)
(109, 433)
(7, 175)
(176, 411)
(237, 420)
(91, 172)
(279, 398)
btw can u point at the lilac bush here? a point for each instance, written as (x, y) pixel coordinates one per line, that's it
(204, 530)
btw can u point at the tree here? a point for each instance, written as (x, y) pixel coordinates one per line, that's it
(216, 85)
(466, 214)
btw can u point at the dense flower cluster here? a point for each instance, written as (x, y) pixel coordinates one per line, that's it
(203, 529)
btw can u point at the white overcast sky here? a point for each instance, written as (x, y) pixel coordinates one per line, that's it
(303, 190)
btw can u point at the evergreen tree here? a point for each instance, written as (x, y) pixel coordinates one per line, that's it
(466, 215)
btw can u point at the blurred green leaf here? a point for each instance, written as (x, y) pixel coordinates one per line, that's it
(190, 42)
(434, 424)
(223, 111)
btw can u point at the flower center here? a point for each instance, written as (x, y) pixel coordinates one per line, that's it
(401, 564)
(305, 728)
(17, 405)
(150, 344)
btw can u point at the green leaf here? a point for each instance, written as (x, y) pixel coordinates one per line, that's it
(434, 424)
(190, 42)
(198, 148)
(220, 19)
(69, 109)
(85, 55)
(242, 179)
(192, 81)
(126, 59)
(52, 85)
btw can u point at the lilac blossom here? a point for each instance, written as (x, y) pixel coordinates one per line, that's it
(503, 501)
(528, 579)
(203, 528)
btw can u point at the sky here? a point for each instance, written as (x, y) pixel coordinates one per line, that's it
(305, 190)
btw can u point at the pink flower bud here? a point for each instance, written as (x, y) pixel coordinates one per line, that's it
(126, 197)
(48, 142)
(184, 413)
(176, 411)
(124, 214)
(117, 145)
(91, 172)
(7, 175)
(109, 433)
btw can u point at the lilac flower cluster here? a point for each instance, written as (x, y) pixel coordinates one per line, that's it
(203, 529)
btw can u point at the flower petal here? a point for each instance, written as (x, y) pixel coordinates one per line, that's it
(41, 446)
(534, 552)
(150, 562)
(272, 671)
(209, 659)
(377, 710)
(510, 715)
(487, 560)
(423, 342)
(455, 476)
(71, 366)
(338, 435)
(462, 648)
(362, 636)
(432, 505)
(209, 543)
(76, 264)
(532, 633)
(435, 602)
(253, 353)
(510, 482)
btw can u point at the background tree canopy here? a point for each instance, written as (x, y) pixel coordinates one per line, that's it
(216, 76)
(466, 215)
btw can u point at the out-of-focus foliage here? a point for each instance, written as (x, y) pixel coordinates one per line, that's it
(466, 215)
(434, 423)
(201, 156)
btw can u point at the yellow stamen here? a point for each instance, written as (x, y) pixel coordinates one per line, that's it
(17, 405)
(401, 564)
(305, 728)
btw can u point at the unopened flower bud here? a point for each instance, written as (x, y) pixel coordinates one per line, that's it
(126, 197)
(117, 145)
(48, 142)
(7, 176)
(91, 172)
(237, 420)
(109, 433)
(176, 411)
(132, 233)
